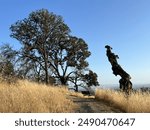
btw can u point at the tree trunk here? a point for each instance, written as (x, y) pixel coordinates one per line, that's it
(46, 71)
(76, 88)
(63, 80)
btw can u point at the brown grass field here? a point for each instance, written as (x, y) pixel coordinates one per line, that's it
(137, 102)
(30, 97)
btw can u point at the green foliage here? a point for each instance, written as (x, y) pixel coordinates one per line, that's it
(7, 61)
(91, 79)
(7, 53)
(50, 49)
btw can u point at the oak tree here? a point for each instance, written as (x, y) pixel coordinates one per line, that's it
(46, 42)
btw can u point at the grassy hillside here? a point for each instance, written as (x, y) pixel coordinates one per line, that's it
(137, 102)
(25, 96)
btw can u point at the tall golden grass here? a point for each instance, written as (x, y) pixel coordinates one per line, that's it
(30, 97)
(137, 102)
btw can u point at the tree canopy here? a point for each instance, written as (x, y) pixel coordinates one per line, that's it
(7, 61)
(49, 48)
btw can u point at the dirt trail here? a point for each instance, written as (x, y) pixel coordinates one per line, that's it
(91, 105)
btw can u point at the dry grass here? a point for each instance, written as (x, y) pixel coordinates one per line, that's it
(77, 94)
(25, 96)
(135, 103)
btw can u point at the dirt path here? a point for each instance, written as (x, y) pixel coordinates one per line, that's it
(91, 105)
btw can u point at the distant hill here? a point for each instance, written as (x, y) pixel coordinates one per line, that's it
(116, 86)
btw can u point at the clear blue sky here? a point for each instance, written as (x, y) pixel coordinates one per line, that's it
(123, 24)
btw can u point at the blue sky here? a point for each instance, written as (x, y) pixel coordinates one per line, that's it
(123, 24)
